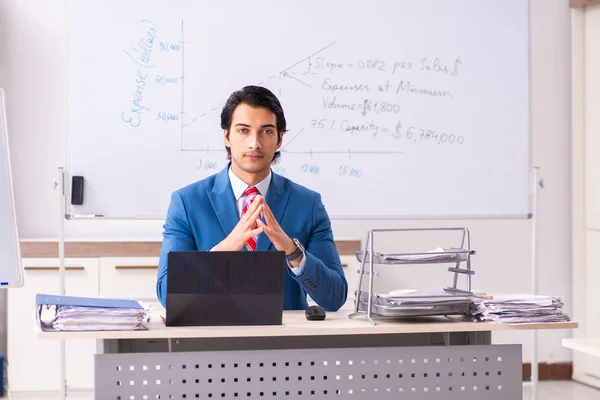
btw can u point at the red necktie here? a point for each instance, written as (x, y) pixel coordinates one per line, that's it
(250, 193)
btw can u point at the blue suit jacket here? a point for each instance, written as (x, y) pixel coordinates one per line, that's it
(202, 214)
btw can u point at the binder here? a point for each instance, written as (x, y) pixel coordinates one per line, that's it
(69, 313)
(3, 380)
(55, 300)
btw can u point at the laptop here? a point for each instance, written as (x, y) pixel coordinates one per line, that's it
(225, 288)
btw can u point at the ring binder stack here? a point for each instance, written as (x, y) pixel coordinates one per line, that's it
(449, 301)
(68, 313)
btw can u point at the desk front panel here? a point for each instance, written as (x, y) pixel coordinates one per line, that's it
(414, 372)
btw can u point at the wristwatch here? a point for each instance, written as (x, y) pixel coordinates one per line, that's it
(296, 253)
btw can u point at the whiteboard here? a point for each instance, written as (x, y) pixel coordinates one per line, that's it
(394, 108)
(11, 270)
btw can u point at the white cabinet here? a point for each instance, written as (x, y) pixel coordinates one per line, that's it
(133, 277)
(35, 364)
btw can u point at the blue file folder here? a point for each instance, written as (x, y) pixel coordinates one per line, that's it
(55, 300)
(2, 375)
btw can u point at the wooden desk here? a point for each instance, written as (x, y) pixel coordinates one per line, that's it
(589, 346)
(437, 357)
(295, 324)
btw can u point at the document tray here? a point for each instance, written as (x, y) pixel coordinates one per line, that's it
(416, 310)
(415, 305)
(447, 256)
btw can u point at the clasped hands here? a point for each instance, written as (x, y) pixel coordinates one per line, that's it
(251, 225)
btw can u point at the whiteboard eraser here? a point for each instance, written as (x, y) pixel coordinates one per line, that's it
(77, 190)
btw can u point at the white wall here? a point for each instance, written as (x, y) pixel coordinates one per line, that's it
(586, 185)
(592, 116)
(32, 54)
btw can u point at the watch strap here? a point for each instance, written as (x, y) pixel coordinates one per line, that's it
(295, 254)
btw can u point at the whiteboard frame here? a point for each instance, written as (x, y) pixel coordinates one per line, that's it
(528, 215)
(4, 137)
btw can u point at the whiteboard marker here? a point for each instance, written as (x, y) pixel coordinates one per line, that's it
(70, 216)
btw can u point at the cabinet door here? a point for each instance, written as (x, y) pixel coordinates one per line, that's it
(129, 277)
(35, 364)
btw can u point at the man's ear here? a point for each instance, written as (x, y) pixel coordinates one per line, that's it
(280, 141)
(226, 137)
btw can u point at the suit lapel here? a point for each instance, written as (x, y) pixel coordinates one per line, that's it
(277, 200)
(223, 202)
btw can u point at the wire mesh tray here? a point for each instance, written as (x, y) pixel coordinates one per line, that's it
(434, 302)
(416, 310)
(417, 298)
(434, 257)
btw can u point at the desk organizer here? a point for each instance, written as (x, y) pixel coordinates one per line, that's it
(452, 300)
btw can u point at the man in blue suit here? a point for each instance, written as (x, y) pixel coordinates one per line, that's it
(248, 207)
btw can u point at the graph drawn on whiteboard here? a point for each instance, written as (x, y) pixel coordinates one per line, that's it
(342, 110)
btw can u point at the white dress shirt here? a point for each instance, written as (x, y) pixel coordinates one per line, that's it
(239, 187)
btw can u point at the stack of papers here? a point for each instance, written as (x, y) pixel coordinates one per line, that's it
(416, 303)
(438, 255)
(67, 313)
(428, 296)
(519, 309)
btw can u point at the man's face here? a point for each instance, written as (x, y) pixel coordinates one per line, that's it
(253, 141)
